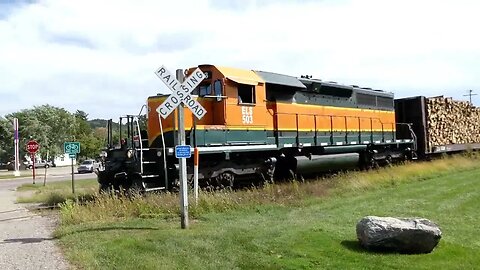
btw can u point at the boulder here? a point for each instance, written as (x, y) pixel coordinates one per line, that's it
(404, 235)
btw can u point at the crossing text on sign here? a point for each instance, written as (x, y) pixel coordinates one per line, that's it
(181, 92)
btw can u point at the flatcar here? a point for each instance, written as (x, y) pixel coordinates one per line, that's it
(259, 126)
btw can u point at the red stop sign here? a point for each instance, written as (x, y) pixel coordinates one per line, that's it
(32, 146)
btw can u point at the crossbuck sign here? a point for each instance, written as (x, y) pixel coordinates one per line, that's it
(181, 92)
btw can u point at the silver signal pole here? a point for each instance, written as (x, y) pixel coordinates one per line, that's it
(182, 161)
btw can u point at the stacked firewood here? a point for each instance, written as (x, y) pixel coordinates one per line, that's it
(452, 122)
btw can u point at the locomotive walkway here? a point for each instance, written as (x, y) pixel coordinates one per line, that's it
(25, 238)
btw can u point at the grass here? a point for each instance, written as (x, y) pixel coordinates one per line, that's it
(56, 192)
(289, 226)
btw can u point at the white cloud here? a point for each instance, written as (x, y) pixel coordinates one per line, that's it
(99, 56)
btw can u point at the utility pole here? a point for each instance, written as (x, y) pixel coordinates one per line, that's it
(470, 94)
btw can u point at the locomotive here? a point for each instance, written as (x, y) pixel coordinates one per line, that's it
(259, 126)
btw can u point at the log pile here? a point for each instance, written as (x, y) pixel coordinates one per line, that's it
(452, 122)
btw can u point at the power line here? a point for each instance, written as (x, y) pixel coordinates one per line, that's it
(470, 94)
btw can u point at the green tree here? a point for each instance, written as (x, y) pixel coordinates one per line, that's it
(91, 143)
(82, 128)
(50, 126)
(6, 139)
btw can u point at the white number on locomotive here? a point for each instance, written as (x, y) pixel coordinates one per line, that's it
(247, 115)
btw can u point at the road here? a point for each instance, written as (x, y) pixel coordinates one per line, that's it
(53, 174)
(25, 237)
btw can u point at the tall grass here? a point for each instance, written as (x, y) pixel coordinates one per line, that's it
(57, 192)
(106, 208)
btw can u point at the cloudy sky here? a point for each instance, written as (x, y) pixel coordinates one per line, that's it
(99, 56)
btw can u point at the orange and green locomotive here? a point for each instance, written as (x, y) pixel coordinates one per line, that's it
(260, 126)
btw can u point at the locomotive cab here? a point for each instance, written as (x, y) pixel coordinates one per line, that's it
(235, 103)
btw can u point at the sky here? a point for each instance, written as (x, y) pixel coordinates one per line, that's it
(100, 56)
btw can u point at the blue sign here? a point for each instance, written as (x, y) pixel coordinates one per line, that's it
(183, 151)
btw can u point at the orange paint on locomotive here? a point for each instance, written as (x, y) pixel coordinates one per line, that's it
(228, 111)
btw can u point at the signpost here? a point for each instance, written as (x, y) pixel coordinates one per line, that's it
(32, 147)
(181, 89)
(72, 149)
(17, 150)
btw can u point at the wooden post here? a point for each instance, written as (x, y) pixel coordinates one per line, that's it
(33, 168)
(45, 176)
(73, 185)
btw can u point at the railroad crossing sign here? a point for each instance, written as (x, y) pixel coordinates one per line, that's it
(32, 146)
(71, 148)
(181, 92)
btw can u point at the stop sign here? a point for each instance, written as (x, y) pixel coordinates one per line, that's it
(32, 146)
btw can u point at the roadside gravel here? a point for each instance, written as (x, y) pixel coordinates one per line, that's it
(25, 238)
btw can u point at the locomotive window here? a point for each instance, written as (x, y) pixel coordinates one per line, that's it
(204, 89)
(217, 88)
(246, 94)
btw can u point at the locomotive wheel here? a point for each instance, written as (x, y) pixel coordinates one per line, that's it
(292, 176)
(388, 160)
(373, 164)
(136, 188)
(105, 189)
(226, 180)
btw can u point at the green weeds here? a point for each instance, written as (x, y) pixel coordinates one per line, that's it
(108, 208)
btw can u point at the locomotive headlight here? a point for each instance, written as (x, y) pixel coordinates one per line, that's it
(130, 153)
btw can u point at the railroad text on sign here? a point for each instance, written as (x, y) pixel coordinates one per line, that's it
(181, 92)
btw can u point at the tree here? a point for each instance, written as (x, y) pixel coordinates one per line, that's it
(6, 139)
(50, 126)
(82, 128)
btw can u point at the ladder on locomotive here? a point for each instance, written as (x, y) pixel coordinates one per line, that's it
(146, 158)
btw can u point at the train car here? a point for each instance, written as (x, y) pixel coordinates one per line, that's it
(414, 110)
(260, 126)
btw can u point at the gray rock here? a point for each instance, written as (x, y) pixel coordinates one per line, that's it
(404, 235)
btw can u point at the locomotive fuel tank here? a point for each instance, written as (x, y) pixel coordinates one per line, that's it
(323, 163)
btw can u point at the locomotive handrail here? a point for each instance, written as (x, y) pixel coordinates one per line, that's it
(383, 125)
(164, 152)
(328, 115)
(141, 109)
(140, 142)
(412, 134)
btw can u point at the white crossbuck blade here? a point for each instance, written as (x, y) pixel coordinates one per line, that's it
(181, 92)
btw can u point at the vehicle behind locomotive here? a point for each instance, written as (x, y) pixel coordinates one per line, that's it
(260, 125)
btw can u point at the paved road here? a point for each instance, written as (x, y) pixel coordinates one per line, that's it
(53, 174)
(26, 238)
